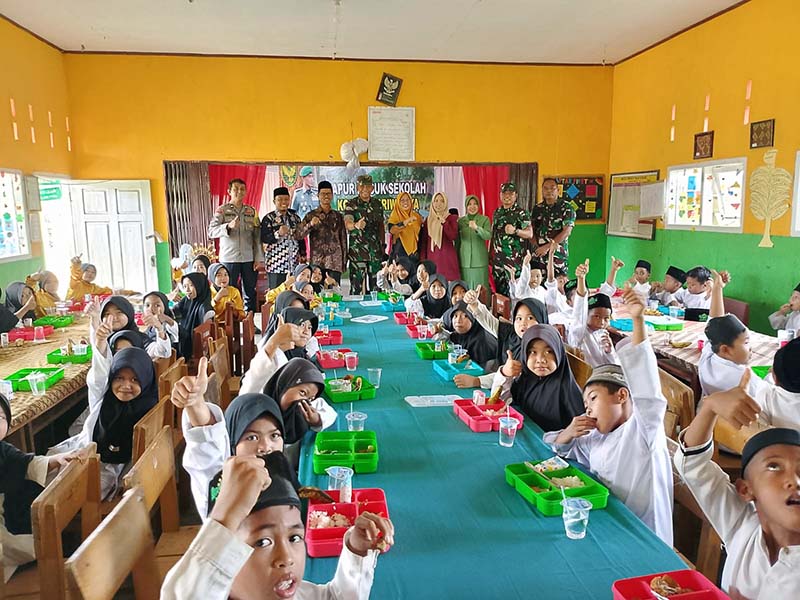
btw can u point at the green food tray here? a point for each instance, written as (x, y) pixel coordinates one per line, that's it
(20, 384)
(426, 350)
(56, 358)
(367, 391)
(761, 371)
(54, 321)
(334, 298)
(346, 445)
(521, 478)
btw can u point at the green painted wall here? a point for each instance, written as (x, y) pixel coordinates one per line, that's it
(18, 270)
(764, 277)
(164, 268)
(589, 241)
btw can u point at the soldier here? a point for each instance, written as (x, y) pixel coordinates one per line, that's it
(363, 218)
(511, 228)
(553, 220)
(238, 229)
(305, 198)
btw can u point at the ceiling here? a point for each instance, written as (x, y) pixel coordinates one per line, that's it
(526, 31)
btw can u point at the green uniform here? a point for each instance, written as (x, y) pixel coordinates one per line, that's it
(472, 253)
(367, 247)
(507, 249)
(548, 221)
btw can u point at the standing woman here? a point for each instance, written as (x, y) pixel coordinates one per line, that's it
(439, 234)
(474, 229)
(404, 225)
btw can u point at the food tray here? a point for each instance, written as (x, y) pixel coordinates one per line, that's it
(21, 384)
(386, 295)
(349, 448)
(334, 337)
(664, 310)
(54, 321)
(761, 371)
(627, 325)
(639, 587)
(427, 351)
(333, 298)
(402, 318)
(27, 333)
(387, 306)
(548, 502)
(447, 371)
(328, 542)
(412, 332)
(337, 320)
(56, 358)
(326, 362)
(476, 418)
(367, 391)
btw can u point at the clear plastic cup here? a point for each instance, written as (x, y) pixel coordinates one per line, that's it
(508, 431)
(783, 337)
(674, 312)
(351, 360)
(452, 357)
(4, 340)
(373, 296)
(576, 517)
(7, 389)
(653, 305)
(28, 322)
(325, 329)
(422, 331)
(356, 420)
(80, 349)
(374, 377)
(341, 479)
(36, 381)
(479, 397)
(38, 335)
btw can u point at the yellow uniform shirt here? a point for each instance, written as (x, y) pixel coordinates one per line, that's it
(234, 297)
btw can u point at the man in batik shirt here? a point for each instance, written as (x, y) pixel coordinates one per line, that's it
(363, 217)
(511, 230)
(283, 245)
(553, 220)
(327, 234)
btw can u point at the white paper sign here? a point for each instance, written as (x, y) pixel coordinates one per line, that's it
(651, 201)
(391, 133)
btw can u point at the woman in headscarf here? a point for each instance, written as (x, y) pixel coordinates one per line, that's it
(45, 286)
(438, 238)
(21, 300)
(474, 229)
(404, 225)
(192, 310)
(430, 299)
(284, 300)
(541, 384)
(465, 330)
(10, 314)
(200, 264)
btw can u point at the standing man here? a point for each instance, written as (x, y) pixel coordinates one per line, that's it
(363, 218)
(238, 229)
(511, 228)
(283, 247)
(553, 220)
(327, 234)
(305, 198)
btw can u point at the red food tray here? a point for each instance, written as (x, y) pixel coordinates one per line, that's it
(329, 541)
(327, 362)
(639, 587)
(27, 333)
(476, 419)
(76, 307)
(334, 337)
(402, 318)
(412, 332)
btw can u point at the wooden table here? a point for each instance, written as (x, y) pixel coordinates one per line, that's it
(30, 414)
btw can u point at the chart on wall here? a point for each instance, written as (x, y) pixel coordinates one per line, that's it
(584, 193)
(624, 203)
(13, 234)
(708, 195)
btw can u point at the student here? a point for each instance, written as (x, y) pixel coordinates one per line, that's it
(621, 437)
(433, 294)
(641, 278)
(192, 310)
(116, 314)
(306, 346)
(285, 300)
(125, 339)
(21, 300)
(321, 279)
(466, 331)
(788, 315)
(397, 276)
(252, 546)
(45, 286)
(698, 289)
(665, 292)
(456, 290)
(81, 282)
(757, 518)
(306, 290)
(542, 385)
(780, 403)
(119, 395)
(560, 296)
(591, 318)
(529, 284)
(200, 264)
(302, 272)
(161, 325)
(425, 270)
(223, 293)
(252, 426)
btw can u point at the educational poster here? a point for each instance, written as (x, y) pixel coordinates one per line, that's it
(624, 203)
(685, 195)
(584, 193)
(13, 236)
(709, 195)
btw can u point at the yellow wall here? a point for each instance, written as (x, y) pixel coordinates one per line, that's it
(131, 113)
(757, 41)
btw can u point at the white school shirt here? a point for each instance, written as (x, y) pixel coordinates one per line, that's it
(779, 407)
(401, 288)
(642, 288)
(311, 349)
(719, 374)
(581, 337)
(790, 321)
(521, 288)
(747, 567)
(664, 297)
(687, 300)
(216, 556)
(633, 461)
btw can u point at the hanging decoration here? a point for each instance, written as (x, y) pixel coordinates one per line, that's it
(770, 187)
(350, 152)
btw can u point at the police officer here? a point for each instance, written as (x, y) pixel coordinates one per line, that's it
(238, 229)
(305, 198)
(511, 230)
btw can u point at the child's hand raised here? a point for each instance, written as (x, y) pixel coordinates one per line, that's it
(720, 279)
(243, 480)
(634, 300)
(581, 425)
(471, 297)
(105, 330)
(151, 320)
(511, 368)
(190, 390)
(370, 532)
(582, 270)
(290, 279)
(310, 413)
(735, 405)
(616, 263)
(527, 260)
(76, 260)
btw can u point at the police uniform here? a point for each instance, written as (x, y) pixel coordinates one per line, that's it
(239, 247)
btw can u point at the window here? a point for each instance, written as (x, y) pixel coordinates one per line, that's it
(13, 227)
(706, 196)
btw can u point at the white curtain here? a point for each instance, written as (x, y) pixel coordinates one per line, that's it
(272, 179)
(450, 180)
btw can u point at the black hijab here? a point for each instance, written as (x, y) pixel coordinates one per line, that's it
(554, 400)
(434, 308)
(282, 302)
(134, 337)
(479, 343)
(122, 303)
(151, 333)
(8, 320)
(14, 298)
(453, 285)
(203, 259)
(295, 372)
(318, 287)
(19, 492)
(192, 312)
(244, 410)
(113, 431)
(430, 267)
(298, 316)
(507, 337)
(410, 267)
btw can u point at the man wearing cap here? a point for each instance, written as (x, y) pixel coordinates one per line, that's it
(305, 197)
(283, 245)
(237, 227)
(511, 230)
(553, 220)
(363, 218)
(327, 234)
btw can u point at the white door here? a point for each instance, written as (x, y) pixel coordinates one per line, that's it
(110, 220)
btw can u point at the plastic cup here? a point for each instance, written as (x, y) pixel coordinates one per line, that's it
(673, 312)
(4, 340)
(791, 334)
(374, 377)
(341, 479)
(783, 337)
(576, 517)
(80, 349)
(36, 381)
(452, 357)
(28, 322)
(356, 420)
(373, 295)
(653, 305)
(508, 431)
(479, 397)
(351, 360)
(325, 329)
(7, 389)
(700, 343)
(422, 331)
(38, 334)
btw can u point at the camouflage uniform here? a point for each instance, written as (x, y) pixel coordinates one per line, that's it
(367, 247)
(548, 221)
(507, 249)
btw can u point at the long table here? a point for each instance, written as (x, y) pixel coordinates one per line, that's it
(461, 531)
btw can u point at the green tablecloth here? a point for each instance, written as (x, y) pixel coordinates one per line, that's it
(461, 531)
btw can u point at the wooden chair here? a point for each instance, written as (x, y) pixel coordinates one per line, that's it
(690, 378)
(562, 331)
(213, 393)
(738, 308)
(262, 287)
(170, 377)
(580, 369)
(232, 325)
(248, 342)
(75, 490)
(162, 364)
(680, 404)
(727, 435)
(200, 336)
(266, 312)
(501, 306)
(148, 427)
(122, 544)
(229, 384)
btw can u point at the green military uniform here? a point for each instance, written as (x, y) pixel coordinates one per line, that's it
(548, 221)
(367, 247)
(507, 249)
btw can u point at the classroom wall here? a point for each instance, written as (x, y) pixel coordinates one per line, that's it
(756, 41)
